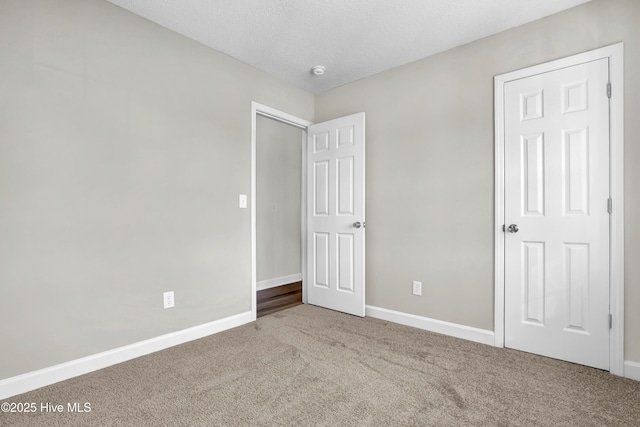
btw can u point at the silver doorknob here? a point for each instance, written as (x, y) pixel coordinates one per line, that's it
(357, 224)
(513, 228)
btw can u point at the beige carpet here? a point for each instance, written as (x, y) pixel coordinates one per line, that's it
(310, 366)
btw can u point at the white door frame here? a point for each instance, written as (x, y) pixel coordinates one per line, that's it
(615, 54)
(272, 113)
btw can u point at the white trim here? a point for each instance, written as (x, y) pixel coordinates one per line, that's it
(278, 281)
(632, 370)
(303, 214)
(64, 371)
(615, 54)
(498, 322)
(469, 333)
(266, 111)
(616, 279)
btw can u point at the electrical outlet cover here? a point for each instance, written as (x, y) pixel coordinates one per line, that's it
(417, 288)
(168, 298)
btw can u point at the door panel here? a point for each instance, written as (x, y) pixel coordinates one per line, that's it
(533, 164)
(335, 245)
(556, 192)
(533, 292)
(320, 193)
(321, 260)
(345, 262)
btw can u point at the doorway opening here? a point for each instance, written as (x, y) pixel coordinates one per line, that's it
(332, 202)
(277, 209)
(278, 215)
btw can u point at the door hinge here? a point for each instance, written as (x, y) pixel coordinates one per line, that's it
(609, 205)
(608, 90)
(610, 321)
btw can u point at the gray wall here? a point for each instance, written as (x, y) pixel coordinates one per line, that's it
(430, 163)
(279, 175)
(123, 148)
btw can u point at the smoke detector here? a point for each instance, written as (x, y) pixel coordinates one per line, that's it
(318, 70)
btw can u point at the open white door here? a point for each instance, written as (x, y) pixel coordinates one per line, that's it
(335, 214)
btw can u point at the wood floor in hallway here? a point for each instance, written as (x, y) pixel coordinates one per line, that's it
(279, 298)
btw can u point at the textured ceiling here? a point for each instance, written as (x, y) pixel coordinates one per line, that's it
(351, 38)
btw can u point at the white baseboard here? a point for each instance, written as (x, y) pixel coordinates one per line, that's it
(632, 370)
(53, 374)
(278, 281)
(452, 329)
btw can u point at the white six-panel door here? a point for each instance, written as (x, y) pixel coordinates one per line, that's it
(335, 214)
(556, 198)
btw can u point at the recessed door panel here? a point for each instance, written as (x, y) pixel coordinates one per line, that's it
(531, 106)
(533, 282)
(321, 188)
(576, 171)
(321, 259)
(533, 174)
(345, 262)
(576, 265)
(345, 136)
(575, 97)
(320, 142)
(345, 186)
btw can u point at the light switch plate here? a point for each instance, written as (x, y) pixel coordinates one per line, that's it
(243, 201)
(168, 299)
(417, 288)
